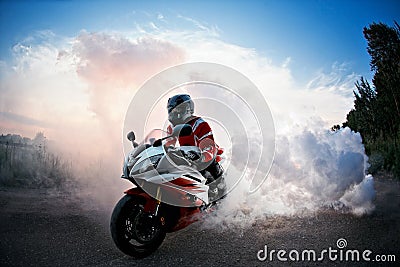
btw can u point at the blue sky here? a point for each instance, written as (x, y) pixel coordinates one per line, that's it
(313, 33)
(305, 56)
(71, 68)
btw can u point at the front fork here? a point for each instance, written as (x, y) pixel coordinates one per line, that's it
(151, 205)
(158, 204)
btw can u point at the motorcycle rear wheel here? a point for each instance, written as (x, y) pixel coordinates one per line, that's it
(135, 232)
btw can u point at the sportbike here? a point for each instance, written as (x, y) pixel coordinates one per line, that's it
(170, 192)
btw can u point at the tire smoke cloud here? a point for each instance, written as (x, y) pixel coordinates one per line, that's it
(76, 90)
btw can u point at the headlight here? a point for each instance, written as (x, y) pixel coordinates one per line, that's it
(155, 159)
(147, 164)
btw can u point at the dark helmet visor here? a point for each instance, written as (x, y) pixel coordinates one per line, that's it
(176, 100)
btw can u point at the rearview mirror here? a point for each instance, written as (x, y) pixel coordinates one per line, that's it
(131, 136)
(181, 130)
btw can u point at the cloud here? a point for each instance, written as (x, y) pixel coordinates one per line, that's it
(77, 89)
(80, 88)
(112, 63)
(211, 30)
(329, 99)
(313, 169)
(114, 58)
(339, 80)
(160, 16)
(34, 86)
(22, 119)
(113, 67)
(93, 70)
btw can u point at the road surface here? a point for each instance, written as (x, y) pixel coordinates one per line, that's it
(42, 228)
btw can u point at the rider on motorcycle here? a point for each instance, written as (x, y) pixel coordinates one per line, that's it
(180, 110)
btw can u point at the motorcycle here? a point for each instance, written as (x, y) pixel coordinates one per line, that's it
(170, 194)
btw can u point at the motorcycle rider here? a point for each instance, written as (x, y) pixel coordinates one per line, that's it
(180, 111)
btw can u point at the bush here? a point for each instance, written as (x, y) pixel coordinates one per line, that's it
(28, 163)
(384, 155)
(376, 162)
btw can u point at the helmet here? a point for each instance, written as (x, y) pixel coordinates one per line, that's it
(180, 108)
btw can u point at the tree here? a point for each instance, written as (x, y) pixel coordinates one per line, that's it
(384, 49)
(363, 117)
(376, 112)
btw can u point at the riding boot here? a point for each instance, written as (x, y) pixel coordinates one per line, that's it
(215, 181)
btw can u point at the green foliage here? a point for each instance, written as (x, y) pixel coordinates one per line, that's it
(384, 155)
(336, 127)
(376, 113)
(363, 117)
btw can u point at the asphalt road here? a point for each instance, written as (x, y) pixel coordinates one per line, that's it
(42, 228)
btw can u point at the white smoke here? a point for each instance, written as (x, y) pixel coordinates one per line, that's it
(312, 170)
(313, 167)
(82, 87)
(76, 90)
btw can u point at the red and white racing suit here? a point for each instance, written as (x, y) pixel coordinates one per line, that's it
(203, 138)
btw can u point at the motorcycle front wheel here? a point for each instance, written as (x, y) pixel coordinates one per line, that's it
(135, 232)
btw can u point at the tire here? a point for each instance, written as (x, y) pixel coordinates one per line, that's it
(135, 232)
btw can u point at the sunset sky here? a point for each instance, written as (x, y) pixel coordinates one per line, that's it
(76, 65)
